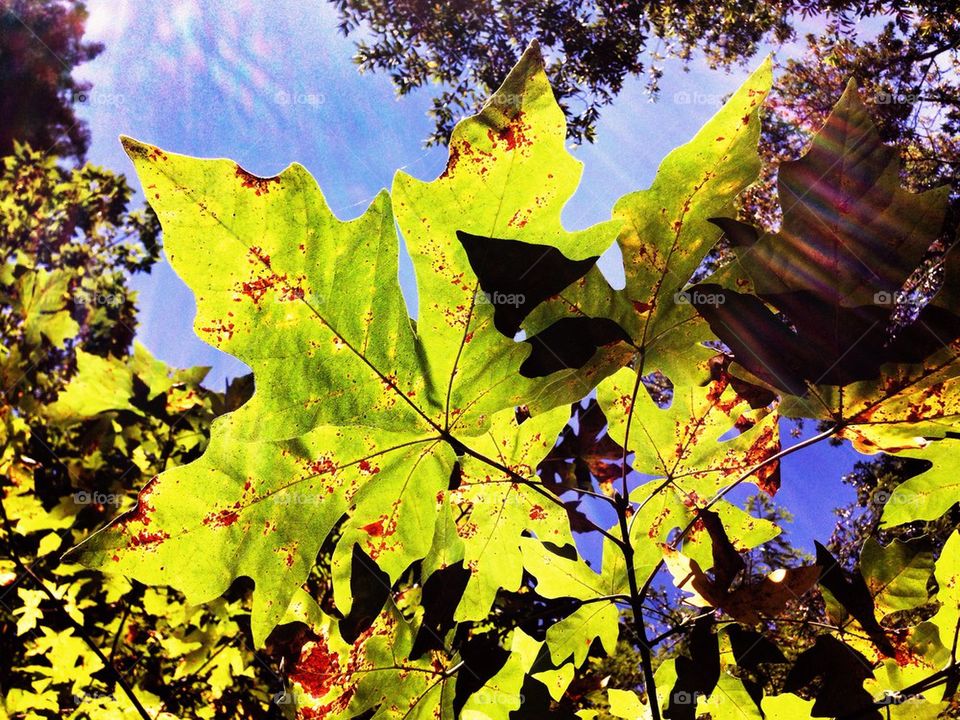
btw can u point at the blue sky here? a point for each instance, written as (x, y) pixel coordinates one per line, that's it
(270, 83)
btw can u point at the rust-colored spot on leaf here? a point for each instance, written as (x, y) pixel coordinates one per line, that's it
(223, 518)
(513, 135)
(260, 185)
(147, 539)
(376, 528)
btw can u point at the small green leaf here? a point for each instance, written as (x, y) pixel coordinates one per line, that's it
(896, 575)
(624, 704)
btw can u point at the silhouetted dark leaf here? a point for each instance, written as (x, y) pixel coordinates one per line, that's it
(441, 594)
(841, 671)
(569, 343)
(850, 238)
(696, 675)
(517, 276)
(370, 587)
(853, 593)
(752, 650)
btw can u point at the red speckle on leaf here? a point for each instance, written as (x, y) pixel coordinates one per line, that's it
(367, 468)
(141, 513)
(145, 539)
(513, 135)
(318, 668)
(222, 330)
(537, 513)
(376, 528)
(259, 254)
(452, 160)
(223, 518)
(323, 466)
(519, 218)
(256, 289)
(260, 185)
(642, 307)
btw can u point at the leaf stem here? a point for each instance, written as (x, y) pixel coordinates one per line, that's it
(537, 487)
(636, 604)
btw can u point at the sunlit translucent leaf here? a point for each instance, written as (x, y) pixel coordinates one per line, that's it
(947, 618)
(896, 575)
(346, 417)
(333, 678)
(664, 236)
(730, 701)
(930, 494)
(597, 616)
(508, 176)
(910, 402)
(501, 694)
(624, 703)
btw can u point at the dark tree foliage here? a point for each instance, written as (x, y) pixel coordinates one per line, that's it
(41, 43)
(593, 48)
(907, 76)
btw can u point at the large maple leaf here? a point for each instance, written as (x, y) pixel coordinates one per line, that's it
(357, 413)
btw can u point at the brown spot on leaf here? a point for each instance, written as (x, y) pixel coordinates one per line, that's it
(260, 185)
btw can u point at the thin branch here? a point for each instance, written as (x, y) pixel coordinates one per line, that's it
(830, 432)
(116, 638)
(636, 603)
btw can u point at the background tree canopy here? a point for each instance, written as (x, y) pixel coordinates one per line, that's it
(904, 55)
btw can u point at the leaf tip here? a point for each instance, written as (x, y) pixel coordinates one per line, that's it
(134, 148)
